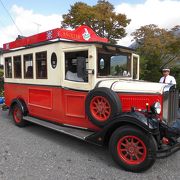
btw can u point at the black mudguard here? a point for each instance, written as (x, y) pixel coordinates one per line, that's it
(135, 119)
(21, 104)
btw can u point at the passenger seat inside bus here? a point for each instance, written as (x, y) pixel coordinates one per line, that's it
(29, 73)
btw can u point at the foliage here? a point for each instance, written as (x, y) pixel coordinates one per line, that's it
(158, 48)
(149, 69)
(100, 17)
(176, 73)
(1, 73)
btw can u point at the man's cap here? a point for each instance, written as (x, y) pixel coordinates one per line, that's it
(166, 69)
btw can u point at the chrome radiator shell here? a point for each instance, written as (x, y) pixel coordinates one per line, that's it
(170, 104)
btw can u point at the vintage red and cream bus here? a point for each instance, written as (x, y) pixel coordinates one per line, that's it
(77, 83)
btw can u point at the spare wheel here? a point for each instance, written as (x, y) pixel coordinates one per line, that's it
(102, 104)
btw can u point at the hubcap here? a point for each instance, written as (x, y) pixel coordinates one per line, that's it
(17, 115)
(100, 108)
(131, 150)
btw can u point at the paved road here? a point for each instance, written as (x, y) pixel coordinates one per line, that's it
(37, 153)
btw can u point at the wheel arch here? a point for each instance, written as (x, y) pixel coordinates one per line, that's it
(21, 103)
(115, 126)
(103, 136)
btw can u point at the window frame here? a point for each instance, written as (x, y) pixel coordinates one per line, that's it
(65, 71)
(17, 77)
(36, 60)
(100, 51)
(25, 67)
(8, 58)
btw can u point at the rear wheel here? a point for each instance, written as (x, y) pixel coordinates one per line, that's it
(18, 116)
(132, 149)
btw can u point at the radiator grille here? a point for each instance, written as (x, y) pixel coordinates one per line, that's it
(170, 105)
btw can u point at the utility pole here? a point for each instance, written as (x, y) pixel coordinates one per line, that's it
(38, 26)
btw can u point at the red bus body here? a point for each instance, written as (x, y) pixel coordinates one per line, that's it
(67, 106)
(77, 83)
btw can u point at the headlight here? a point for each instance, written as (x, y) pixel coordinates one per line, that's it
(156, 108)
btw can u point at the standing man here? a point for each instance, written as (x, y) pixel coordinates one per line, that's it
(166, 77)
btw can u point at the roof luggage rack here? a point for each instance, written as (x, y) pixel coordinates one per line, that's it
(81, 34)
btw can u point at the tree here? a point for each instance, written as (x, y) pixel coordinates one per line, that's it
(100, 17)
(158, 48)
(153, 40)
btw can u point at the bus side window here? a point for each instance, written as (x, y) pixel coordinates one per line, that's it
(8, 67)
(28, 66)
(17, 67)
(41, 65)
(71, 65)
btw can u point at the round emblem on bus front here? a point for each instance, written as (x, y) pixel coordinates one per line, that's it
(86, 35)
(53, 60)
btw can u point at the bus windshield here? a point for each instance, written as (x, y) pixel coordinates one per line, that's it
(113, 64)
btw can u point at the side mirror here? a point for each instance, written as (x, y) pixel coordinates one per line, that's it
(102, 63)
(81, 67)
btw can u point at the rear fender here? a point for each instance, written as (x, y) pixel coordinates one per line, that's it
(21, 103)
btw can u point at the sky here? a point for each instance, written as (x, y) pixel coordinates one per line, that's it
(33, 16)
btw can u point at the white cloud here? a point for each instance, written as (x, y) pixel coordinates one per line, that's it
(164, 13)
(27, 21)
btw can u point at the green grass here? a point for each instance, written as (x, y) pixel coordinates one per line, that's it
(1, 72)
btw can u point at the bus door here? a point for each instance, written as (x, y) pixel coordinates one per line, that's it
(77, 81)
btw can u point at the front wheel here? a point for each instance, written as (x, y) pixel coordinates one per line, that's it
(18, 116)
(132, 149)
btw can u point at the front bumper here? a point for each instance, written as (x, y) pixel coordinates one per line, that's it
(167, 150)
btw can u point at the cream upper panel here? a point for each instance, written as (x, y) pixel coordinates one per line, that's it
(133, 86)
(55, 76)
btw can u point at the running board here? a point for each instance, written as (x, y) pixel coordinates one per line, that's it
(78, 133)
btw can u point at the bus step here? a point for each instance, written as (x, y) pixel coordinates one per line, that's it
(75, 132)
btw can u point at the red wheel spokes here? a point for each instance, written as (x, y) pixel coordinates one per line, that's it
(132, 150)
(100, 108)
(17, 114)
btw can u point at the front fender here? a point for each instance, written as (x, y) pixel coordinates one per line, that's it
(135, 119)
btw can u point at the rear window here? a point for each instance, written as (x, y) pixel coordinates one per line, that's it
(17, 67)
(8, 67)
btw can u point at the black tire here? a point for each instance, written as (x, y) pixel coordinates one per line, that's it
(111, 106)
(143, 147)
(18, 116)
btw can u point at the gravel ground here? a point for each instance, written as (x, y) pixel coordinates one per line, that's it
(37, 153)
